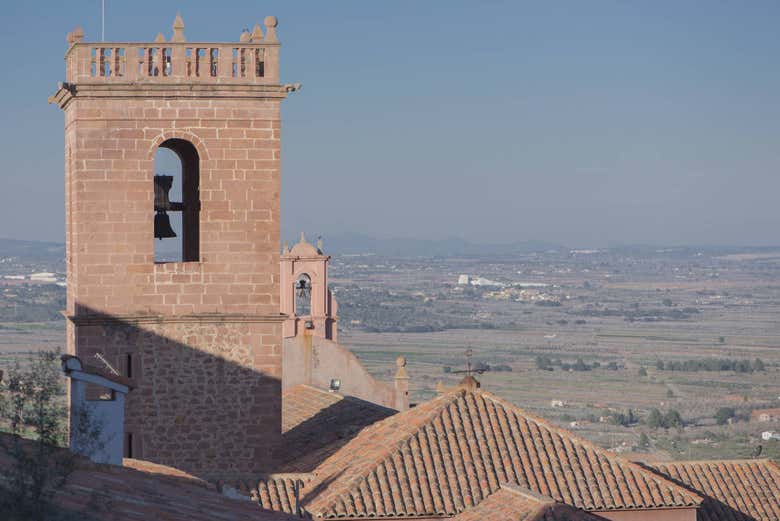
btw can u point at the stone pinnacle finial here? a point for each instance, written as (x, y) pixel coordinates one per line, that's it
(319, 245)
(75, 36)
(270, 23)
(257, 34)
(245, 36)
(400, 362)
(160, 38)
(470, 383)
(178, 29)
(286, 247)
(303, 237)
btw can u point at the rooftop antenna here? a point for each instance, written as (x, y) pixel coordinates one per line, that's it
(103, 21)
(110, 367)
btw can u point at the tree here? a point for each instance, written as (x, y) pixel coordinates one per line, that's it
(543, 363)
(642, 371)
(644, 441)
(724, 414)
(659, 364)
(758, 365)
(580, 365)
(655, 419)
(669, 393)
(673, 419)
(32, 406)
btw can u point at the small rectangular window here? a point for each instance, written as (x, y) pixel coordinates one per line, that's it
(128, 449)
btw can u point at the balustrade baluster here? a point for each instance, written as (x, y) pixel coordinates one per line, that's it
(225, 61)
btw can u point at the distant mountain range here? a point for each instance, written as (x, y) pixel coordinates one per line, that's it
(355, 244)
(33, 250)
(350, 244)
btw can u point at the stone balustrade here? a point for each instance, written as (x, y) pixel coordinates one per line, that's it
(254, 59)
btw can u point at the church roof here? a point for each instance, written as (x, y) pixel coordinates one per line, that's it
(316, 423)
(451, 453)
(737, 490)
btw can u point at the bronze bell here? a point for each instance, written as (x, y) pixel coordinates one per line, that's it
(162, 226)
(303, 288)
(162, 185)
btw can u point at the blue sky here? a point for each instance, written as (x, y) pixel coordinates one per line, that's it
(583, 123)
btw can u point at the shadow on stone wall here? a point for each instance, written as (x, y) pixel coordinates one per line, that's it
(310, 442)
(207, 397)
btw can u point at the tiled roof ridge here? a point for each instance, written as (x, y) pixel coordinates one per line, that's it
(587, 443)
(525, 492)
(327, 501)
(296, 387)
(430, 409)
(709, 461)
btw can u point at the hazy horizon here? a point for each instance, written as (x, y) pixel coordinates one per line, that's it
(586, 125)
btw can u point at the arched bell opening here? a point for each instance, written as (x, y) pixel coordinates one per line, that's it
(302, 292)
(176, 202)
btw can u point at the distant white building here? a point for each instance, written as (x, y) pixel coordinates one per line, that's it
(556, 403)
(43, 276)
(530, 284)
(467, 280)
(481, 281)
(770, 435)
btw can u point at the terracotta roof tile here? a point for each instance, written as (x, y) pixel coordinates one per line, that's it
(113, 493)
(317, 423)
(451, 453)
(511, 503)
(277, 492)
(737, 490)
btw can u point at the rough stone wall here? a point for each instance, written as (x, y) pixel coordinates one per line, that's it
(109, 179)
(209, 395)
(206, 392)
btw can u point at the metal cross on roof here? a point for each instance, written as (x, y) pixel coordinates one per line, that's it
(470, 371)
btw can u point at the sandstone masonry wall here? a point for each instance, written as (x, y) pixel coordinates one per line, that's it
(201, 339)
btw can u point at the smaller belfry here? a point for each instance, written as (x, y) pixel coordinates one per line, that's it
(309, 305)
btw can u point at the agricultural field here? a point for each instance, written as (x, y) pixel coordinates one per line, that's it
(599, 342)
(622, 312)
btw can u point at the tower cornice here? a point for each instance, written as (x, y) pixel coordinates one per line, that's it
(67, 92)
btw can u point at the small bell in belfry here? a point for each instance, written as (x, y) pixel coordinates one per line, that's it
(303, 288)
(162, 226)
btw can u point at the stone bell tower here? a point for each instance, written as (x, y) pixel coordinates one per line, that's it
(200, 337)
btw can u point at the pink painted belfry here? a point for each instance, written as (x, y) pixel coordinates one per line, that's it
(304, 281)
(312, 354)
